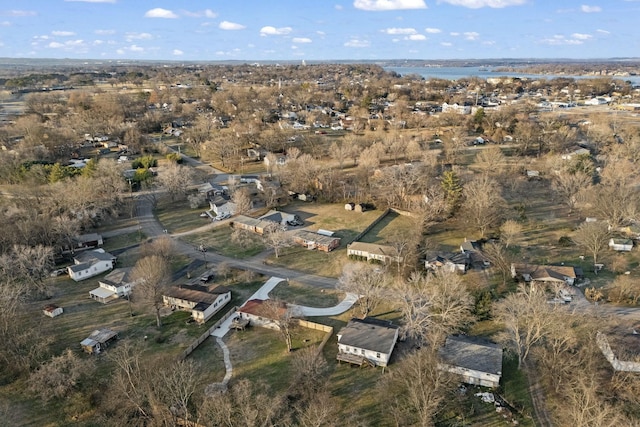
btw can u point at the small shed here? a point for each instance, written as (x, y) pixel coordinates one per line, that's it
(98, 340)
(621, 245)
(52, 310)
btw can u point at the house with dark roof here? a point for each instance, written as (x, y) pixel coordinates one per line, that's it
(202, 301)
(478, 362)
(91, 263)
(545, 273)
(98, 340)
(458, 262)
(368, 341)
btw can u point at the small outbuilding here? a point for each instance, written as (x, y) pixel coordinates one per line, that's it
(621, 245)
(52, 310)
(98, 340)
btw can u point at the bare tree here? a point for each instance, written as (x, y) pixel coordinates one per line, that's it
(593, 237)
(176, 385)
(526, 317)
(510, 230)
(500, 259)
(491, 160)
(368, 281)
(153, 274)
(570, 185)
(162, 246)
(59, 376)
(416, 389)
(433, 305)
(276, 238)
(282, 316)
(242, 198)
(483, 205)
(175, 179)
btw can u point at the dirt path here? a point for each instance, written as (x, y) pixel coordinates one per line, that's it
(542, 416)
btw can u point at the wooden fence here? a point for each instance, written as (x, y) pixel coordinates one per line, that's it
(370, 226)
(206, 334)
(318, 327)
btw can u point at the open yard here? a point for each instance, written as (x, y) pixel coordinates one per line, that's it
(219, 240)
(178, 217)
(298, 293)
(392, 227)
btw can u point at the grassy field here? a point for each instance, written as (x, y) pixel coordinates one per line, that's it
(123, 241)
(312, 262)
(298, 293)
(392, 226)
(178, 217)
(219, 241)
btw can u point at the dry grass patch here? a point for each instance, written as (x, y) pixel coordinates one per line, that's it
(301, 294)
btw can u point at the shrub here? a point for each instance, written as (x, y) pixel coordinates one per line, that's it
(565, 241)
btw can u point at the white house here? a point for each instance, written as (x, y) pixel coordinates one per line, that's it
(91, 263)
(621, 245)
(478, 362)
(222, 206)
(254, 312)
(52, 310)
(367, 341)
(202, 301)
(114, 285)
(455, 108)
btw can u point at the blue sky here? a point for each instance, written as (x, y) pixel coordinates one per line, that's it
(319, 29)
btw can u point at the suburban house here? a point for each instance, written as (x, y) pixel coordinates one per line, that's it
(211, 190)
(255, 225)
(87, 241)
(575, 151)
(478, 362)
(114, 285)
(254, 311)
(98, 340)
(473, 251)
(368, 341)
(449, 262)
(222, 206)
(91, 263)
(202, 301)
(545, 273)
(621, 245)
(373, 251)
(52, 310)
(311, 240)
(282, 218)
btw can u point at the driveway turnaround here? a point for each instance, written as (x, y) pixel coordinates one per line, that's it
(345, 305)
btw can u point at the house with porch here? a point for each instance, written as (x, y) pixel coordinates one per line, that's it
(202, 301)
(114, 285)
(91, 263)
(478, 362)
(367, 341)
(373, 251)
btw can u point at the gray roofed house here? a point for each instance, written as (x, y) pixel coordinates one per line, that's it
(373, 251)
(202, 301)
(91, 263)
(367, 341)
(479, 362)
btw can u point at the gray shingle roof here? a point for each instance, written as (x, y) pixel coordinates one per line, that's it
(470, 353)
(369, 334)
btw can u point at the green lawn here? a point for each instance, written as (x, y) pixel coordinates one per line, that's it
(392, 226)
(310, 261)
(123, 241)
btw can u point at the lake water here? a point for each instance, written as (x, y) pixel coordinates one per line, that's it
(455, 73)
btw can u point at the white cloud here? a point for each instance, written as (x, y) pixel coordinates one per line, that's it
(5, 24)
(226, 25)
(135, 48)
(339, 7)
(559, 39)
(105, 32)
(94, 1)
(55, 45)
(21, 13)
(603, 31)
(68, 44)
(376, 5)
(177, 52)
(63, 33)
(416, 37)
(273, 31)
(98, 42)
(454, 34)
(590, 9)
(433, 30)
(138, 36)
(320, 33)
(394, 31)
(477, 4)
(207, 13)
(159, 12)
(357, 43)
(471, 35)
(301, 40)
(580, 36)
(120, 51)
(446, 44)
